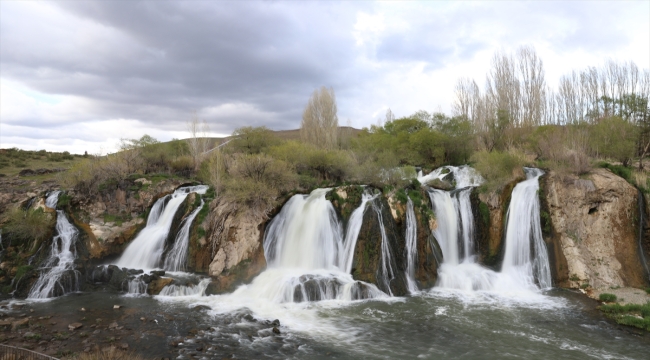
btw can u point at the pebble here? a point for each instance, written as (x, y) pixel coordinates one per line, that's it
(116, 306)
(75, 326)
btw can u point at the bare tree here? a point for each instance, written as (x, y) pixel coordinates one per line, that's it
(198, 141)
(319, 120)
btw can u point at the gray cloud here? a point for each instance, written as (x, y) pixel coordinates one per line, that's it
(256, 63)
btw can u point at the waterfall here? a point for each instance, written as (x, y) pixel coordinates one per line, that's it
(306, 255)
(352, 232)
(146, 250)
(447, 219)
(177, 258)
(58, 276)
(52, 199)
(411, 247)
(387, 272)
(526, 256)
(186, 290)
(136, 287)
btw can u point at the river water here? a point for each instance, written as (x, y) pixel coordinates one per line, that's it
(431, 325)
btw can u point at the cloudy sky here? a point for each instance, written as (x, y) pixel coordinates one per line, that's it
(80, 75)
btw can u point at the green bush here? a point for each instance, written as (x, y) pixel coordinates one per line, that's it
(620, 170)
(498, 168)
(27, 226)
(606, 297)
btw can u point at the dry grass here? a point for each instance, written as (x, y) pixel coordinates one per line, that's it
(640, 178)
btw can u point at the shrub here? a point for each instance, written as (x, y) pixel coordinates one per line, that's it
(606, 297)
(498, 168)
(622, 171)
(27, 226)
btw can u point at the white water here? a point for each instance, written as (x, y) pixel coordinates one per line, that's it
(411, 247)
(177, 257)
(387, 272)
(526, 257)
(52, 199)
(145, 251)
(306, 255)
(136, 287)
(352, 233)
(197, 290)
(58, 276)
(455, 233)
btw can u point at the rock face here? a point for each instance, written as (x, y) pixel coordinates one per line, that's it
(490, 210)
(113, 217)
(367, 261)
(594, 222)
(235, 237)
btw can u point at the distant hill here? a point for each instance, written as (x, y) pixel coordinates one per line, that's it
(292, 134)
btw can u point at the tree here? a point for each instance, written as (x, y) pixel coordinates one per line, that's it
(615, 138)
(198, 142)
(253, 140)
(319, 120)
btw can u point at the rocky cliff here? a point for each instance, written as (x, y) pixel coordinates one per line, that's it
(594, 222)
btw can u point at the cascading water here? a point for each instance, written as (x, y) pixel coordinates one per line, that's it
(136, 287)
(352, 232)
(186, 290)
(145, 252)
(58, 276)
(177, 257)
(411, 247)
(522, 265)
(306, 254)
(387, 272)
(526, 257)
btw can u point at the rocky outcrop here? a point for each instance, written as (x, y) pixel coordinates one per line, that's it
(490, 210)
(594, 221)
(367, 261)
(114, 216)
(235, 237)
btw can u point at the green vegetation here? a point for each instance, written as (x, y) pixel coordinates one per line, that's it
(13, 161)
(606, 297)
(499, 168)
(27, 227)
(631, 314)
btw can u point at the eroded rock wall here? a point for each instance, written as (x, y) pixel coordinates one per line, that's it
(594, 223)
(236, 240)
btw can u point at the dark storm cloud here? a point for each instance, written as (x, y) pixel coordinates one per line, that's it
(183, 56)
(256, 63)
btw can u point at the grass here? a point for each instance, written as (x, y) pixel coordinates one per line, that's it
(620, 170)
(117, 219)
(606, 297)
(631, 314)
(13, 160)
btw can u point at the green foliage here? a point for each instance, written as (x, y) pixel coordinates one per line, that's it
(545, 220)
(631, 314)
(63, 200)
(253, 140)
(606, 297)
(27, 226)
(22, 270)
(117, 219)
(401, 196)
(411, 140)
(498, 168)
(620, 170)
(613, 138)
(484, 211)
